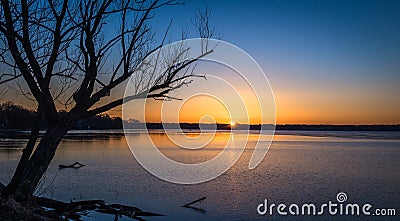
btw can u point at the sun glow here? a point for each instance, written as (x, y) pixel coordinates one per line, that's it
(232, 123)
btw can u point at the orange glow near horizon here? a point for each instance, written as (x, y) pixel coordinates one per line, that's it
(316, 104)
(308, 105)
(292, 107)
(204, 109)
(224, 97)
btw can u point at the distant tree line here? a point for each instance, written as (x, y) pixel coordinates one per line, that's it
(14, 116)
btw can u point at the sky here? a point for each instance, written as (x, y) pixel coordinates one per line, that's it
(334, 62)
(328, 62)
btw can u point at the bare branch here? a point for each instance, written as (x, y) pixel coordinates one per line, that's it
(9, 79)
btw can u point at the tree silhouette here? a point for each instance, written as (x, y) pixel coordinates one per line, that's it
(65, 52)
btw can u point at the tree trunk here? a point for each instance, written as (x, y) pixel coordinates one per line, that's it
(26, 153)
(39, 161)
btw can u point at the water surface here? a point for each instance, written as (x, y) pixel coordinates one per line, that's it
(299, 168)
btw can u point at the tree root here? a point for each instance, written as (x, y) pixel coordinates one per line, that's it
(72, 210)
(2, 188)
(43, 209)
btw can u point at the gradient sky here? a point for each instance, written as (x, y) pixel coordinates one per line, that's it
(328, 62)
(335, 62)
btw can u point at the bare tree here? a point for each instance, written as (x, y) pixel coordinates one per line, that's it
(66, 52)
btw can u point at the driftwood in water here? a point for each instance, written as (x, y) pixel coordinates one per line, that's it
(75, 165)
(71, 210)
(189, 205)
(199, 200)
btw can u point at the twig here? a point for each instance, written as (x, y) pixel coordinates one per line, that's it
(188, 205)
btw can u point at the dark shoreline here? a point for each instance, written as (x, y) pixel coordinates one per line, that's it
(195, 126)
(302, 127)
(306, 130)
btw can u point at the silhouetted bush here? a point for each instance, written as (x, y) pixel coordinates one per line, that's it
(14, 116)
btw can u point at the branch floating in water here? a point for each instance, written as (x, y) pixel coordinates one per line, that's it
(75, 165)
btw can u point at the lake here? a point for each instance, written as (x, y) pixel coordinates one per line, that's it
(300, 167)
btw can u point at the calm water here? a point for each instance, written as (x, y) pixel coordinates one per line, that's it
(299, 168)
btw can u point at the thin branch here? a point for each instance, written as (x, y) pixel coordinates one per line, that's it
(10, 79)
